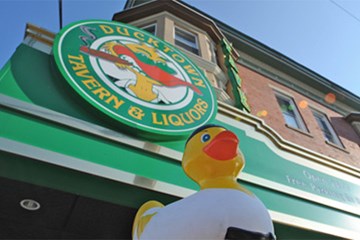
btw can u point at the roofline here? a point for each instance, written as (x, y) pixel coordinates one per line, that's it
(131, 3)
(128, 4)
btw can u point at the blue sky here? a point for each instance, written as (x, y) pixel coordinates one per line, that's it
(323, 35)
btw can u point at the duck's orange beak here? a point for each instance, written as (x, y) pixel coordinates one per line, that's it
(223, 147)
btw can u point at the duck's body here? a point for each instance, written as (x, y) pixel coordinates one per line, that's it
(208, 214)
(212, 159)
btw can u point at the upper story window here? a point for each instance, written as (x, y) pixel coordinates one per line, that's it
(150, 28)
(290, 112)
(186, 40)
(326, 128)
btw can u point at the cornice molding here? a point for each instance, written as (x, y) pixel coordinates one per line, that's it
(294, 86)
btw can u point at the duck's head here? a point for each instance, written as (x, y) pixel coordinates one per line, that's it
(212, 157)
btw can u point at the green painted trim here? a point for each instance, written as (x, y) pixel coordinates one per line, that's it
(235, 80)
(27, 170)
(48, 175)
(306, 185)
(291, 232)
(230, 63)
(8, 84)
(304, 209)
(239, 95)
(85, 146)
(226, 47)
(234, 77)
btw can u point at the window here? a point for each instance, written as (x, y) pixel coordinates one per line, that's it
(186, 40)
(150, 28)
(326, 128)
(291, 114)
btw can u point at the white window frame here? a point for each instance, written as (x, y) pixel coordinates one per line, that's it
(297, 117)
(150, 25)
(323, 117)
(213, 52)
(197, 47)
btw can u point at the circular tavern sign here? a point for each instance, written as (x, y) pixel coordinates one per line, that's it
(134, 77)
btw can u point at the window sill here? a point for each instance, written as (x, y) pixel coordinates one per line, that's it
(299, 131)
(341, 148)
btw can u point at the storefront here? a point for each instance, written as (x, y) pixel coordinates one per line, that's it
(90, 156)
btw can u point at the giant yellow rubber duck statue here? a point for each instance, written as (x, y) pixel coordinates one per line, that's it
(222, 209)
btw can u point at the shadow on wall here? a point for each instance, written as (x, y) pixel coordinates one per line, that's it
(344, 129)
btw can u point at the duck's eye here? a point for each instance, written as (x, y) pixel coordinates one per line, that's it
(205, 137)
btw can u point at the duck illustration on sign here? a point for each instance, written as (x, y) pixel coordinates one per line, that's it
(139, 68)
(222, 209)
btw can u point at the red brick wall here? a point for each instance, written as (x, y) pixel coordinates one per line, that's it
(261, 98)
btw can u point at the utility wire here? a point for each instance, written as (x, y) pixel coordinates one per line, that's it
(60, 15)
(345, 10)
